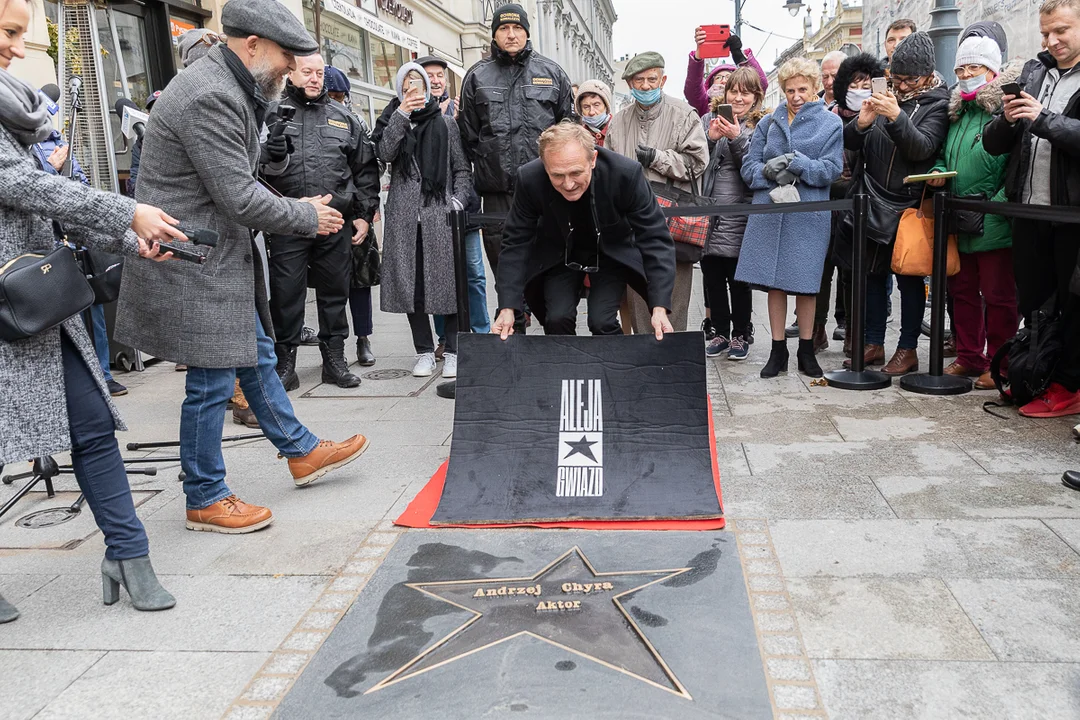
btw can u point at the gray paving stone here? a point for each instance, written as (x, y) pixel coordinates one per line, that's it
(890, 548)
(16, 587)
(829, 459)
(798, 496)
(1024, 620)
(804, 427)
(1044, 456)
(877, 618)
(76, 530)
(979, 496)
(731, 459)
(33, 678)
(905, 689)
(311, 385)
(213, 613)
(130, 685)
(1067, 530)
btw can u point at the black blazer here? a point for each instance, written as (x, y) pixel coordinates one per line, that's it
(633, 232)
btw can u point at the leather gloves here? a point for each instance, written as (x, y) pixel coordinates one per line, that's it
(646, 155)
(786, 177)
(734, 44)
(276, 149)
(775, 165)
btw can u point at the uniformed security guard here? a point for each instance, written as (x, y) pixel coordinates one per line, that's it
(324, 150)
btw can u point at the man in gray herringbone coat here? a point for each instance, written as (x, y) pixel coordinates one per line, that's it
(200, 153)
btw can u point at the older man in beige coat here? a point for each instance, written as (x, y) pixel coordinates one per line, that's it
(664, 134)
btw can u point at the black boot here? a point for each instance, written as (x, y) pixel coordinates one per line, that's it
(808, 364)
(334, 367)
(286, 367)
(364, 356)
(778, 360)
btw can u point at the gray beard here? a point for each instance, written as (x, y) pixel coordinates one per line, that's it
(270, 85)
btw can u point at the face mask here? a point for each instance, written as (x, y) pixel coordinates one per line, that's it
(715, 91)
(970, 85)
(597, 121)
(854, 99)
(647, 97)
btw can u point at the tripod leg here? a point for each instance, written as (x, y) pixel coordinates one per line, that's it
(79, 502)
(49, 487)
(18, 496)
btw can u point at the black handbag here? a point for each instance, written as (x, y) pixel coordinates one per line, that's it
(968, 222)
(37, 293)
(103, 271)
(883, 214)
(366, 263)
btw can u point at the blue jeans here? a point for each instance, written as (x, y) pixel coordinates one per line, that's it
(912, 307)
(208, 393)
(101, 338)
(474, 266)
(95, 456)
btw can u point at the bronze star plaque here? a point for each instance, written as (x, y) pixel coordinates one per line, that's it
(568, 604)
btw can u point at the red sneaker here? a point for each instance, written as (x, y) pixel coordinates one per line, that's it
(1055, 402)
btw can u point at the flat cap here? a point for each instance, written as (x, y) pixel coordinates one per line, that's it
(643, 61)
(267, 19)
(432, 60)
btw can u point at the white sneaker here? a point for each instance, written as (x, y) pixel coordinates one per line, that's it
(449, 366)
(425, 365)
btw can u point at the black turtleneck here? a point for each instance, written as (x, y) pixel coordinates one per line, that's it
(504, 58)
(298, 95)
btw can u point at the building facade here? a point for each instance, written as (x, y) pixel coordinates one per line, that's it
(577, 35)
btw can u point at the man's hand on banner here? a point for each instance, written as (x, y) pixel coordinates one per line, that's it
(660, 322)
(504, 324)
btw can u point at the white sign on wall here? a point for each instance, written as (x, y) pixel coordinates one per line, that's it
(372, 24)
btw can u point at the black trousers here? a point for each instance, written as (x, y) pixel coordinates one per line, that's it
(499, 203)
(719, 276)
(562, 292)
(325, 261)
(420, 321)
(1044, 258)
(821, 311)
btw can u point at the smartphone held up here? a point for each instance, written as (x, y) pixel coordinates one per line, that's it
(715, 45)
(879, 85)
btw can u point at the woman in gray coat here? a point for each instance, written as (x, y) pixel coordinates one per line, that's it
(55, 397)
(428, 173)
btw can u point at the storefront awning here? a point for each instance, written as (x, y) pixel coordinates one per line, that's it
(372, 24)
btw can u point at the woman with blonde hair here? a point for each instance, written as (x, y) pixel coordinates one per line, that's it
(730, 301)
(796, 153)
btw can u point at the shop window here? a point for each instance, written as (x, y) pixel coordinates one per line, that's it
(386, 59)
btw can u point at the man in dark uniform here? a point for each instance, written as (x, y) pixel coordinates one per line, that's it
(581, 210)
(324, 150)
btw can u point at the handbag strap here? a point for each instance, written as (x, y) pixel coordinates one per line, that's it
(922, 199)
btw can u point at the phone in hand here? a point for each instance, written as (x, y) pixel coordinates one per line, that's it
(716, 36)
(416, 85)
(726, 112)
(1012, 88)
(879, 85)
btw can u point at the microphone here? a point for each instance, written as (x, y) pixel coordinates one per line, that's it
(74, 87)
(132, 120)
(52, 91)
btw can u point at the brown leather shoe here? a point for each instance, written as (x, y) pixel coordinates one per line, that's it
(241, 410)
(903, 361)
(440, 352)
(985, 382)
(949, 348)
(872, 355)
(231, 516)
(847, 346)
(821, 339)
(326, 456)
(956, 368)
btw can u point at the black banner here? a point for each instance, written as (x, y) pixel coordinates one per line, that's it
(579, 428)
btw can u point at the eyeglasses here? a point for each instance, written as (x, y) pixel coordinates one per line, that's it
(905, 82)
(578, 266)
(210, 39)
(971, 70)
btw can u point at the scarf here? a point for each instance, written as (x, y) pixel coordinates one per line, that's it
(426, 142)
(934, 84)
(23, 112)
(247, 83)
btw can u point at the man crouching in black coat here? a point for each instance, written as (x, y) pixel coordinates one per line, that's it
(581, 210)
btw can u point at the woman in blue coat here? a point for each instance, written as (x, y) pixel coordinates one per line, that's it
(795, 155)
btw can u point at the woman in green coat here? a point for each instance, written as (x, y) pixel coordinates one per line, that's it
(984, 291)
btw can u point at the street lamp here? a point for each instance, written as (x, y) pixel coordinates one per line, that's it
(793, 7)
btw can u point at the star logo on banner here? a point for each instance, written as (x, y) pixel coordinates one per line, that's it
(567, 604)
(581, 447)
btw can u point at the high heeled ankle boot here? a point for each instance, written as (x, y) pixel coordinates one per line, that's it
(138, 578)
(808, 364)
(778, 360)
(8, 612)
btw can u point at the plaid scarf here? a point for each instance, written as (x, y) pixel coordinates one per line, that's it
(934, 84)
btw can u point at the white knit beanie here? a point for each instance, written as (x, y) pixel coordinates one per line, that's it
(979, 51)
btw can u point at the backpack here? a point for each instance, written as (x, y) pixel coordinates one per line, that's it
(1023, 366)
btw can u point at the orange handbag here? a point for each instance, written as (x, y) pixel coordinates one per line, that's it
(913, 252)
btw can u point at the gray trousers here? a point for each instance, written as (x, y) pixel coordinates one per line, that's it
(641, 313)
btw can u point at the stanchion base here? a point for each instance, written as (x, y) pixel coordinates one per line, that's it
(862, 380)
(925, 384)
(447, 389)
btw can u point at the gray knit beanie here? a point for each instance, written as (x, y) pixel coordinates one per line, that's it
(914, 56)
(593, 87)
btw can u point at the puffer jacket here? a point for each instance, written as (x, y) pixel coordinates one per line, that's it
(723, 184)
(978, 171)
(890, 151)
(506, 102)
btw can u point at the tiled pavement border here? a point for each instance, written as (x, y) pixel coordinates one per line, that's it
(792, 687)
(267, 689)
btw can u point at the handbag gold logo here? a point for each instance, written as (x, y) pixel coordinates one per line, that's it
(46, 268)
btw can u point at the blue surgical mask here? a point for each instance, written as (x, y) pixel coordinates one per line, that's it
(596, 121)
(855, 97)
(647, 97)
(970, 85)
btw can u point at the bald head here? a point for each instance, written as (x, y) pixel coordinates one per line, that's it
(308, 75)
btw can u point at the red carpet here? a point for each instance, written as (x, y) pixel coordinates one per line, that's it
(422, 507)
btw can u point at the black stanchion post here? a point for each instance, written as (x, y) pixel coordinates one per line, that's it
(456, 220)
(858, 377)
(936, 382)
